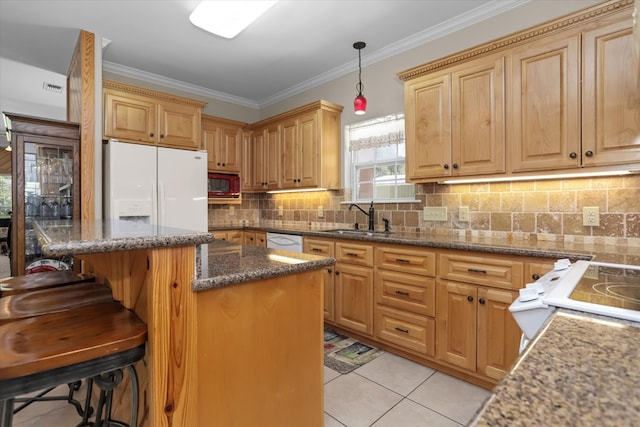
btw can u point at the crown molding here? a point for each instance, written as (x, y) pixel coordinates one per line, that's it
(491, 9)
(134, 73)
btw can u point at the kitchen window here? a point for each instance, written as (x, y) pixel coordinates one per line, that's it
(377, 151)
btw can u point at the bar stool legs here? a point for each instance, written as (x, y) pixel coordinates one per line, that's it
(107, 382)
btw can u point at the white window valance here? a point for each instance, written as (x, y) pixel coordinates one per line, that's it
(379, 132)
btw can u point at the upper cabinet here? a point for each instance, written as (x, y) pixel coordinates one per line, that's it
(144, 116)
(557, 97)
(455, 120)
(544, 130)
(610, 95)
(223, 141)
(298, 149)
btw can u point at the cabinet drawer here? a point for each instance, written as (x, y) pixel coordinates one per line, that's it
(406, 330)
(354, 254)
(406, 292)
(318, 247)
(406, 260)
(482, 270)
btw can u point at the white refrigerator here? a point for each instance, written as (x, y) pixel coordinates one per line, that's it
(155, 185)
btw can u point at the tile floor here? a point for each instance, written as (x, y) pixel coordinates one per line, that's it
(389, 391)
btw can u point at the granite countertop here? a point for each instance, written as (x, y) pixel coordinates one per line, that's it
(232, 263)
(76, 237)
(580, 370)
(518, 247)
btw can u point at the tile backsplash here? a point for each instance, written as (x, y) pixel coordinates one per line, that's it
(543, 210)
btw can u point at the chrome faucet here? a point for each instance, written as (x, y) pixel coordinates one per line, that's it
(371, 214)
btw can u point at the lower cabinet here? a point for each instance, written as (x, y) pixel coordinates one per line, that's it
(324, 247)
(354, 297)
(255, 238)
(475, 329)
(354, 286)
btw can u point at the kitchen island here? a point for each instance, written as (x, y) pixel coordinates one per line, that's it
(580, 370)
(234, 338)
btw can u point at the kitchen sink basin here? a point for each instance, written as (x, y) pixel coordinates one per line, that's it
(359, 232)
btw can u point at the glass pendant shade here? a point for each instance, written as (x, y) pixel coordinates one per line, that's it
(360, 105)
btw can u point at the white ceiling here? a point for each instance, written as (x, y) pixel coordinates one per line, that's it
(294, 46)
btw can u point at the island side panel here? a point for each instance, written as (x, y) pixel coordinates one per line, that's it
(156, 285)
(172, 325)
(260, 347)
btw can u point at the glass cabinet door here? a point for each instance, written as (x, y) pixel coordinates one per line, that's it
(48, 194)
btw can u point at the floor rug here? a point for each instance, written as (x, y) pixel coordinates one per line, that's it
(344, 354)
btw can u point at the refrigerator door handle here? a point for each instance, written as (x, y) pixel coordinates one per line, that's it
(154, 204)
(161, 208)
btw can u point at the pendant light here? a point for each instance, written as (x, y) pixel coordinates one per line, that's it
(360, 103)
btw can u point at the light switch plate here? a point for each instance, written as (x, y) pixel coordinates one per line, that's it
(280, 211)
(320, 211)
(463, 214)
(591, 216)
(435, 213)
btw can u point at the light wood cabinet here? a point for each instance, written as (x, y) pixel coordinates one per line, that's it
(233, 236)
(255, 238)
(565, 94)
(405, 300)
(267, 161)
(428, 126)
(144, 116)
(545, 110)
(354, 287)
(610, 95)
(223, 141)
(455, 121)
(298, 149)
(246, 171)
(475, 330)
(325, 248)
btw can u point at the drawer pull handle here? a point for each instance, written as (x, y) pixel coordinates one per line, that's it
(403, 261)
(404, 331)
(475, 270)
(316, 249)
(350, 254)
(403, 293)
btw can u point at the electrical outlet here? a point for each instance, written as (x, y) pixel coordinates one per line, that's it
(463, 214)
(435, 213)
(232, 211)
(591, 216)
(320, 212)
(280, 211)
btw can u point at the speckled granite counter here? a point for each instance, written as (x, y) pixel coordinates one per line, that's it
(581, 370)
(522, 247)
(230, 263)
(76, 237)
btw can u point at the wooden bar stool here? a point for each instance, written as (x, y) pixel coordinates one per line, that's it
(38, 281)
(94, 341)
(53, 300)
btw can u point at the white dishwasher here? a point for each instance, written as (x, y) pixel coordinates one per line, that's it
(287, 242)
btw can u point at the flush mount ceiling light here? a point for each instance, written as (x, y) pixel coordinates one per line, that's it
(228, 18)
(360, 103)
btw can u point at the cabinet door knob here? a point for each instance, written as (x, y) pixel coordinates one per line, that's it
(218, 163)
(446, 166)
(337, 273)
(535, 276)
(151, 134)
(224, 164)
(470, 298)
(589, 153)
(455, 166)
(161, 136)
(481, 301)
(573, 155)
(329, 270)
